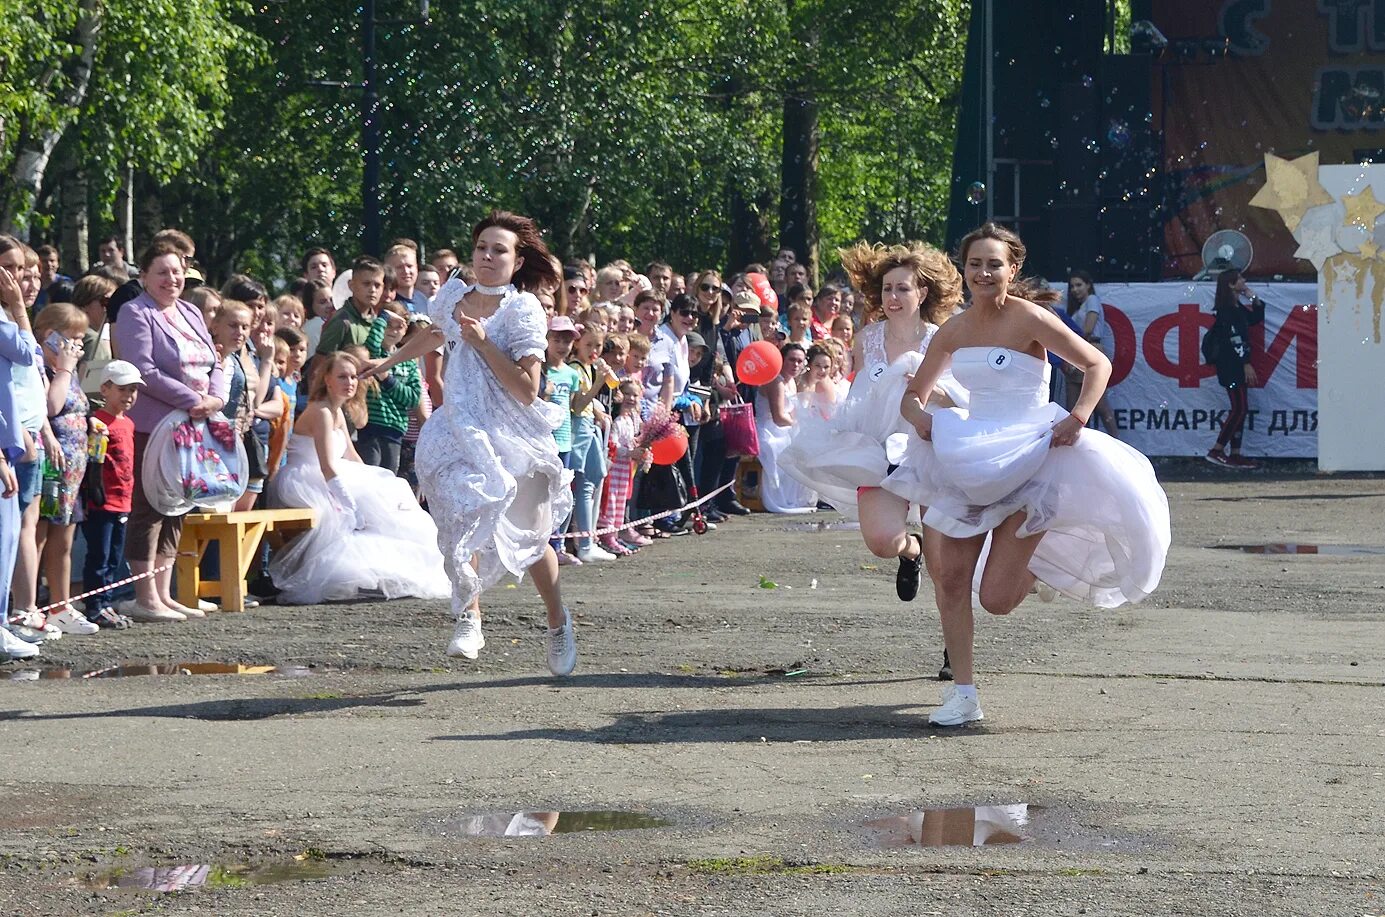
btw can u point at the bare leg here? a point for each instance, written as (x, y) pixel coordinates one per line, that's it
(25, 584)
(146, 591)
(1007, 580)
(57, 562)
(1107, 415)
(163, 584)
(884, 524)
(545, 575)
(953, 570)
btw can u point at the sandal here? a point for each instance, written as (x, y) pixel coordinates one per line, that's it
(110, 619)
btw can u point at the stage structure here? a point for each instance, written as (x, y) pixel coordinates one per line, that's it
(1125, 163)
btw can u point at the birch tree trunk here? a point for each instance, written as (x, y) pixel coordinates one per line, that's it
(36, 146)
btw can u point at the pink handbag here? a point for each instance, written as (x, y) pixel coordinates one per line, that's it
(738, 426)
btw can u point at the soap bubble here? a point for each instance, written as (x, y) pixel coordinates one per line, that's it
(976, 192)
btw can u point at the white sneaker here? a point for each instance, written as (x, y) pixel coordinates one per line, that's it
(70, 622)
(562, 647)
(204, 606)
(591, 554)
(467, 639)
(24, 625)
(133, 610)
(956, 709)
(14, 647)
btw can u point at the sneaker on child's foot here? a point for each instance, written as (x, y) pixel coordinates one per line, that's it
(567, 560)
(70, 622)
(612, 546)
(590, 554)
(467, 639)
(1218, 458)
(957, 709)
(562, 647)
(107, 618)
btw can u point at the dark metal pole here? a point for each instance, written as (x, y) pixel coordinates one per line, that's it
(370, 136)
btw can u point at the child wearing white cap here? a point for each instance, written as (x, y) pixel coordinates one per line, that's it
(108, 492)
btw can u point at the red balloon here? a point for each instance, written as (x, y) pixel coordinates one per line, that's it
(759, 363)
(760, 286)
(670, 448)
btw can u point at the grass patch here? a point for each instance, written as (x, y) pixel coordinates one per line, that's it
(763, 866)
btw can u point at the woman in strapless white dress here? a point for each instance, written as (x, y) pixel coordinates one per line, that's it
(371, 536)
(1075, 508)
(777, 408)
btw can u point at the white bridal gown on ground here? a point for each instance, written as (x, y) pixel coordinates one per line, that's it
(1104, 516)
(779, 492)
(390, 547)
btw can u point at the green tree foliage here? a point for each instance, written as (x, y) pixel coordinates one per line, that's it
(628, 128)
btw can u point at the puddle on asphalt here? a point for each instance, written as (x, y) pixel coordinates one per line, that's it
(821, 527)
(538, 824)
(966, 826)
(131, 670)
(210, 875)
(1338, 550)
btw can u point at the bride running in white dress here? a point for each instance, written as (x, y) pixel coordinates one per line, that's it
(370, 535)
(487, 460)
(1081, 511)
(910, 291)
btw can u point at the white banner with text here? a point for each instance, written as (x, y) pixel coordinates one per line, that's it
(1168, 403)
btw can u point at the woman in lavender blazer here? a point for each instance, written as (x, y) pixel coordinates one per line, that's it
(168, 342)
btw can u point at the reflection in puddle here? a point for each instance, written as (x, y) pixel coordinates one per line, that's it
(129, 670)
(969, 826)
(528, 824)
(1339, 550)
(197, 875)
(821, 527)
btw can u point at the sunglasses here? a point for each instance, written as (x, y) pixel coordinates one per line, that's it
(573, 288)
(709, 287)
(688, 313)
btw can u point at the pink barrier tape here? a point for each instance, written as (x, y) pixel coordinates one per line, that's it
(596, 534)
(647, 519)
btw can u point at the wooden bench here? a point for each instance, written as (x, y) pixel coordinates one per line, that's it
(239, 536)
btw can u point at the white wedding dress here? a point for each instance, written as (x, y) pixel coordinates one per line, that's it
(856, 445)
(487, 464)
(390, 546)
(1103, 515)
(778, 492)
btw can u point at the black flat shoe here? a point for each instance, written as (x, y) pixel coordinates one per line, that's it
(906, 581)
(734, 508)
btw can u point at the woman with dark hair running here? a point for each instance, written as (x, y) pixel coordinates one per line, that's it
(1228, 348)
(487, 460)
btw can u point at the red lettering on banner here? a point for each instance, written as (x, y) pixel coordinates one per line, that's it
(1124, 344)
(1189, 369)
(1302, 327)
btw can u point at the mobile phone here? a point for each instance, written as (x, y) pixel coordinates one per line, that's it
(55, 341)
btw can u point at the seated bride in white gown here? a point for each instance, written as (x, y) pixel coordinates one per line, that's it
(776, 404)
(371, 535)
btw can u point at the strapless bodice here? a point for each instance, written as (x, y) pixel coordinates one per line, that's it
(1002, 382)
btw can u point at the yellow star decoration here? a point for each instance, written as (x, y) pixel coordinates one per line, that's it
(1291, 188)
(1369, 249)
(1363, 209)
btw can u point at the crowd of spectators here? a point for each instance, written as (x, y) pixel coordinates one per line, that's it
(90, 367)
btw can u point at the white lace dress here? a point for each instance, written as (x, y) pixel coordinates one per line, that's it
(393, 550)
(858, 443)
(487, 464)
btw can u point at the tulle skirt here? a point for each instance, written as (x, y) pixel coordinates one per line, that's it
(394, 553)
(1103, 515)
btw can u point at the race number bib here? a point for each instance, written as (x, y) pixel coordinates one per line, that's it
(1000, 359)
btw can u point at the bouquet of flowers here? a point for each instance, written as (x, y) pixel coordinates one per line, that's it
(660, 423)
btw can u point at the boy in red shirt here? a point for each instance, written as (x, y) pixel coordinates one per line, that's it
(108, 492)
